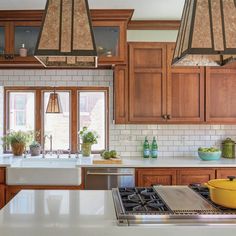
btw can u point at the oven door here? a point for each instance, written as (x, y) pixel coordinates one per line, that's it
(108, 178)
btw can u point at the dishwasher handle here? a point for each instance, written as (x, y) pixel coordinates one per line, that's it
(109, 174)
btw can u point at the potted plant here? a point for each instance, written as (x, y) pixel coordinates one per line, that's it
(17, 140)
(35, 148)
(88, 139)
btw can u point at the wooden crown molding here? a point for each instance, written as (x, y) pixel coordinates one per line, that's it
(154, 25)
(112, 14)
(96, 14)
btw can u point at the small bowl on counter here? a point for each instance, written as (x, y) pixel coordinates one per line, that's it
(209, 155)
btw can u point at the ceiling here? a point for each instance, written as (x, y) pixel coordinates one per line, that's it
(144, 9)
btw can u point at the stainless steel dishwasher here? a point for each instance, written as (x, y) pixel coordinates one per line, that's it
(108, 178)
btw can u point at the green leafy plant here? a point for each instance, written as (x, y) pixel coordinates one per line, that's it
(13, 137)
(35, 144)
(88, 136)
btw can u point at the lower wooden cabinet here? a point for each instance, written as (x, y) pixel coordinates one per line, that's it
(2, 175)
(148, 177)
(2, 196)
(192, 176)
(223, 173)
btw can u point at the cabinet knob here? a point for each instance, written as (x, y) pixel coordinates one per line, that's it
(168, 117)
(9, 56)
(164, 117)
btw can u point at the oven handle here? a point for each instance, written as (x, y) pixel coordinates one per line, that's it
(109, 174)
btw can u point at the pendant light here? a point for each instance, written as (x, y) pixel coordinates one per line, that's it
(66, 37)
(207, 34)
(54, 103)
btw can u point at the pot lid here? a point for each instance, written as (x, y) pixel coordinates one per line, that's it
(228, 141)
(227, 184)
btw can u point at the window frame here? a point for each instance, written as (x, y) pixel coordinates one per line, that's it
(74, 111)
(106, 93)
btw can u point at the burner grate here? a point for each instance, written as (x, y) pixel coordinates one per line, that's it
(142, 201)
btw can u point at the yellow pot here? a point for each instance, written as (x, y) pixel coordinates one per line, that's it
(223, 191)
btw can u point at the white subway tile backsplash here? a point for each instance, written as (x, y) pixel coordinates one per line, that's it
(173, 140)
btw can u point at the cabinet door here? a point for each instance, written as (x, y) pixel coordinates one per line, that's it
(225, 172)
(148, 177)
(2, 196)
(185, 92)
(120, 94)
(2, 175)
(110, 37)
(220, 95)
(147, 82)
(192, 176)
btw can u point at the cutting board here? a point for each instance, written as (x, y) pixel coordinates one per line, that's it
(109, 161)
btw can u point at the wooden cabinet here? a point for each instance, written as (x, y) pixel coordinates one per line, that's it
(193, 175)
(2, 187)
(160, 93)
(147, 82)
(2, 196)
(110, 27)
(148, 177)
(220, 95)
(19, 27)
(2, 175)
(120, 94)
(223, 173)
(185, 92)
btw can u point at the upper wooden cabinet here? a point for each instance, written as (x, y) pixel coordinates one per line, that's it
(160, 93)
(120, 94)
(220, 95)
(147, 82)
(185, 92)
(22, 27)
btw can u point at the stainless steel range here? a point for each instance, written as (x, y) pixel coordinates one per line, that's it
(187, 205)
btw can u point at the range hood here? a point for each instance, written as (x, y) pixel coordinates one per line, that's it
(66, 37)
(207, 34)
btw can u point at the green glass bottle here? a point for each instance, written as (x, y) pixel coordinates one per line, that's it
(154, 148)
(146, 148)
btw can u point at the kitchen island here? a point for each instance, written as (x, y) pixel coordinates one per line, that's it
(85, 213)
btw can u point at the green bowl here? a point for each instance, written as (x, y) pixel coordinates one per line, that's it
(209, 156)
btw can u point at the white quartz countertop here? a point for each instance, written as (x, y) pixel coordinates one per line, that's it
(85, 213)
(138, 162)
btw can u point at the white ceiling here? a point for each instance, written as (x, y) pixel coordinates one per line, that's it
(144, 9)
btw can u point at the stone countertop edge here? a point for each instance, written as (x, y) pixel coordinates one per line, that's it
(137, 162)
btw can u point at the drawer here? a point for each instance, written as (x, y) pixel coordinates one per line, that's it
(2, 175)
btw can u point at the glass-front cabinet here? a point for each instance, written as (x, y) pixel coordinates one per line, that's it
(110, 38)
(25, 37)
(17, 43)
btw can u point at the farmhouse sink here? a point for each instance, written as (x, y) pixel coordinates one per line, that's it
(48, 171)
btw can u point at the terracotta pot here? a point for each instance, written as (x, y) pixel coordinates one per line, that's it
(86, 149)
(18, 148)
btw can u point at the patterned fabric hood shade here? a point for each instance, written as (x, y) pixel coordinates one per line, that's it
(207, 34)
(66, 38)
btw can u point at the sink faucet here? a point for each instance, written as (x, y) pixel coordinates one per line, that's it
(44, 140)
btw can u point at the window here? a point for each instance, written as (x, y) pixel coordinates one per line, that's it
(80, 107)
(58, 125)
(92, 114)
(21, 111)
